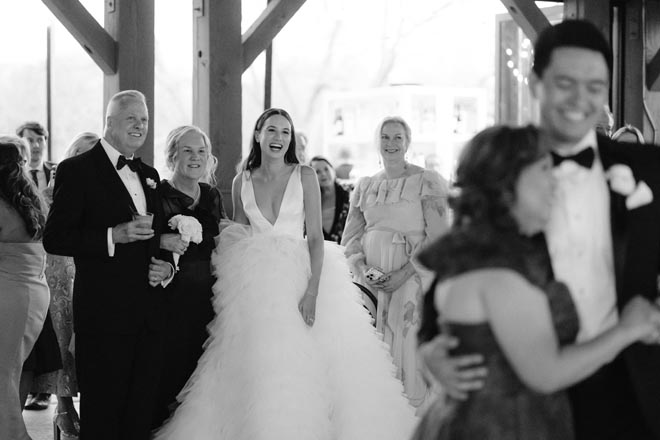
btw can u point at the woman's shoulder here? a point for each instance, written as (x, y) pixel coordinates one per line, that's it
(463, 249)
(211, 200)
(485, 280)
(212, 191)
(306, 171)
(500, 278)
(417, 184)
(433, 184)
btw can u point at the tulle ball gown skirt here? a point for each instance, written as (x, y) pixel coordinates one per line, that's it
(266, 375)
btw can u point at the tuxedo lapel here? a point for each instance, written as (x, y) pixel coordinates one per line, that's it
(618, 213)
(149, 193)
(108, 175)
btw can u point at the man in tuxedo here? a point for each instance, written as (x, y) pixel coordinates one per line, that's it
(36, 135)
(603, 236)
(117, 309)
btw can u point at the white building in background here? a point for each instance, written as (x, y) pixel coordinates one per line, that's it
(441, 120)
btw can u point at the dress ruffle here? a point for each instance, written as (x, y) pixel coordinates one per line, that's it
(372, 191)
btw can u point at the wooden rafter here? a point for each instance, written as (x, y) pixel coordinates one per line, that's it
(100, 46)
(266, 27)
(528, 16)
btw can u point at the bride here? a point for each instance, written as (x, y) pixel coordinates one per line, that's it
(292, 353)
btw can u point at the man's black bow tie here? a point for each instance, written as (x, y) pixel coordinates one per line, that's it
(133, 164)
(584, 158)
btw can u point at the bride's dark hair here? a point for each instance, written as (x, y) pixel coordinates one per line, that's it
(254, 158)
(17, 189)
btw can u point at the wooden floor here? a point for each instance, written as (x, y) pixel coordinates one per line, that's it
(40, 423)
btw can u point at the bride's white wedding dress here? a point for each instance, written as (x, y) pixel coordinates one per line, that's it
(267, 375)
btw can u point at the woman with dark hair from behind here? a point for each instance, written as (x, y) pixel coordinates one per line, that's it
(335, 199)
(25, 296)
(494, 291)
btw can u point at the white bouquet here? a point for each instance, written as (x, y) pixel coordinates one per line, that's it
(189, 228)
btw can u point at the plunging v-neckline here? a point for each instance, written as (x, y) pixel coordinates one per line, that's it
(286, 190)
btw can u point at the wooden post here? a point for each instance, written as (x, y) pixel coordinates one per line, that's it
(528, 16)
(131, 24)
(217, 71)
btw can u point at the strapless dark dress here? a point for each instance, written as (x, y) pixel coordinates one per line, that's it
(505, 408)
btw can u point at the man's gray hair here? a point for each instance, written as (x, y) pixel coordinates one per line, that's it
(119, 99)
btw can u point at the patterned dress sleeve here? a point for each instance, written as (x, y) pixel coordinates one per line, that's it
(354, 230)
(434, 205)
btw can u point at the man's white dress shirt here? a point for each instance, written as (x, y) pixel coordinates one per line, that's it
(580, 241)
(131, 181)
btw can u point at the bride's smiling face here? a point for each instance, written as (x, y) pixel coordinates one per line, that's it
(275, 136)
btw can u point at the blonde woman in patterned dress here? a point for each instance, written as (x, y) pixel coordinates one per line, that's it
(392, 215)
(60, 272)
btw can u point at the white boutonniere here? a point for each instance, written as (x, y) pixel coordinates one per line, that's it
(622, 181)
(189, 228)
(151, 183)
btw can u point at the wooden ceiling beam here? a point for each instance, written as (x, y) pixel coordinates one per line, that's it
(266, 27)
(100, 46)
(528, 16)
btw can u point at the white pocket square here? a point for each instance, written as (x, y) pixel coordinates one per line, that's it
(642, 195)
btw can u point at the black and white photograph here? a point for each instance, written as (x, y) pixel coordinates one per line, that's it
(330, 220)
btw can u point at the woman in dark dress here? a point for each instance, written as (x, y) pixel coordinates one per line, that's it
(189, 156)
(495, 290)
(335, 199)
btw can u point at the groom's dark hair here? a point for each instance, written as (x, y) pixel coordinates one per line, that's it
(569, 33)
(254, 158)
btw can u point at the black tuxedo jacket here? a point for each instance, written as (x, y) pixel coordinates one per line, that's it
(48, 168)
(111, 294)
(636, 248)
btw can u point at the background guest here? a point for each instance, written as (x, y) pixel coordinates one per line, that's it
(24, 299)
(190, 191)
(335, 199)
(60, 272)
(392, 214)
(44, 358)
(36, 136)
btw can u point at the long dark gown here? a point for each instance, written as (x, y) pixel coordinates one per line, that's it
(505, 408)
(189, 303)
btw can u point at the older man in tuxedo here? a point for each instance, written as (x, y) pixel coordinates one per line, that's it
(117, 298)
(603, 237)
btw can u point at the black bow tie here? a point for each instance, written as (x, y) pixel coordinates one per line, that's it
(584, 158)
(133, 164)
